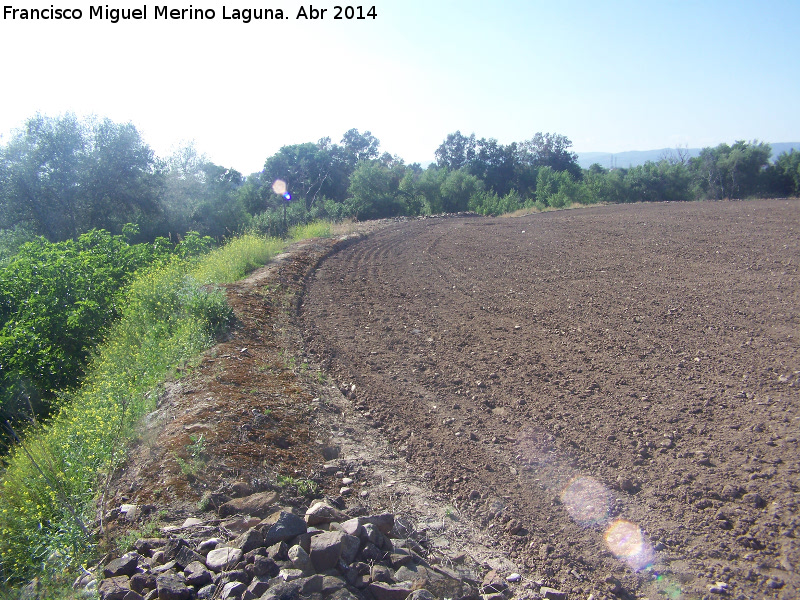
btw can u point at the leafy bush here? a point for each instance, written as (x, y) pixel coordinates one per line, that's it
(489, 203)
(56, 302)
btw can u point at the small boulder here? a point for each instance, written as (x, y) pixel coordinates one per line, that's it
(114, 588)
(326, 549)
(300, 559)
(197, 575)
(286, 526)
(384, 591)
(233, 590)
(322, 512)
(223, 559)
(249, 540)
(124, 565)
(171, 587)
(257, 505)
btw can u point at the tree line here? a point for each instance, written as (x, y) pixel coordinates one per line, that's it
(62, 177)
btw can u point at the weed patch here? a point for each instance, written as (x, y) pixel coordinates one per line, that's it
(54, 478)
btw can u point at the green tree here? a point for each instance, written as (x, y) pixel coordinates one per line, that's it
(456, 152)
(203, 197)
(375, 191)
(457, 189)
(357, 147)
(786, 174)
(550, 150)
(62, 177)
(738, 171)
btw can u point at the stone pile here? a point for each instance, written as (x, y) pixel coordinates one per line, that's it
(326, 554)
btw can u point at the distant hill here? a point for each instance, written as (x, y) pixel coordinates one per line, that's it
(635, 158)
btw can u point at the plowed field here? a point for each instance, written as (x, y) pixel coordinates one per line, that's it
(613, 390)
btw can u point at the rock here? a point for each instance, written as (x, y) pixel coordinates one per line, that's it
(249, 540)
(326, 549)
(143, 581)
(384, 522)
(310, 585)
(172, 547)
(124, 565)
(207, 592)
(258, 587)
(352, 527)
(186, 556)
(514, 578)
(171, 587)
(197, 575)
(145, 546)
(264, 566)
(169, 566)
(239, 575)
(300, 559)
(222, 559)
(421, 595)
(342, 594)
(286, 590)
(207, 545)
(279, 551)
(384, 591)
(191, 522)
(754, 499)
(331, 585)
(290, 574)
(371, 553)
(232, 590)
(350, 547)
(552, 594)
(493, 583)
(720, 587)
(114, 588)
(381, 573)
(240, 489)
(285, 527)
(322, 512)
(257, 505)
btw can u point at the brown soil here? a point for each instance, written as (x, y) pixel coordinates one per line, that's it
(612, 392)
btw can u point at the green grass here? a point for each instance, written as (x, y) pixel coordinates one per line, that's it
(310, 230)
(54, 479)
(237, 258)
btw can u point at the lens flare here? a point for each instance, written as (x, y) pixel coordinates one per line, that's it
(626, 541)
(587, 500)
(279, 187)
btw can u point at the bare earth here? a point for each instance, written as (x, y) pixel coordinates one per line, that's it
(612, 393)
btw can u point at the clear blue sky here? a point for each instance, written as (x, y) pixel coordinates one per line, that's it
(612, 76)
